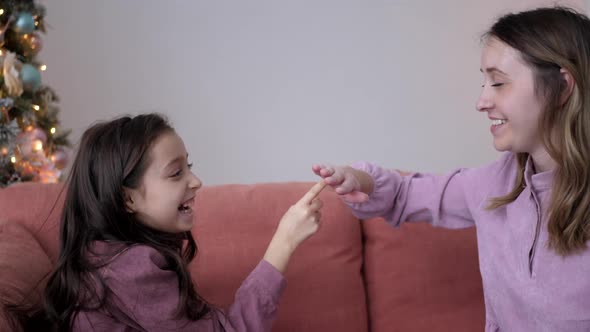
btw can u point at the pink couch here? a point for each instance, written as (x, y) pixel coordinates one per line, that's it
(350, 277)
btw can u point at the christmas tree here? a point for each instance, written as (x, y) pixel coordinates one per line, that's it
(32, 145)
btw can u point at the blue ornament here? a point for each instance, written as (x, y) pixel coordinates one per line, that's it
(30, 77)
(25, 23)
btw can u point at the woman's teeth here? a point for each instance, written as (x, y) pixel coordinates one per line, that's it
(498, 122)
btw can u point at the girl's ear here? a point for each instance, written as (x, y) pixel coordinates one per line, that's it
(129, 202)
(570, 83)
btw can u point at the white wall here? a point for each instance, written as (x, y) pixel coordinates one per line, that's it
(261, 89)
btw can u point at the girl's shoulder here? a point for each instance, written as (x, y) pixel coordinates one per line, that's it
(118, 257)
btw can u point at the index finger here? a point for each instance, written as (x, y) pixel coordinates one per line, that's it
(313, 192)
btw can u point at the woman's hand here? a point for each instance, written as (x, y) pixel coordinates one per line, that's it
(353, 186)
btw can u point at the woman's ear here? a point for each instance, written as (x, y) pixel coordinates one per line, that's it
(570, 83)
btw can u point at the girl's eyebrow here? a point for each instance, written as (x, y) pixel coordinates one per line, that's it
(175, 160)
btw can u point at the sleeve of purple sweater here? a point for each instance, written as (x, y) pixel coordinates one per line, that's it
(443, 200)
(146, 292)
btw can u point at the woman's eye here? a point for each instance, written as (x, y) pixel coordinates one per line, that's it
(495, 85)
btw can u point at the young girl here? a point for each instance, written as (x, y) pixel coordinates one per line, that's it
(532, 206)
(126, 240)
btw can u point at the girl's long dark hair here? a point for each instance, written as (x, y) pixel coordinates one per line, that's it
(112, 155)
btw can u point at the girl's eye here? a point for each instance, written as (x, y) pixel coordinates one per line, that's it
(179, 172)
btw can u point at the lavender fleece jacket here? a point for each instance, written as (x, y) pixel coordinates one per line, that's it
(527, 286)
(146, 291)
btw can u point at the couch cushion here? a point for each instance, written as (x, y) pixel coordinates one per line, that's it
(23, 268)
(422, 278)
(233, 226)
(38, 207)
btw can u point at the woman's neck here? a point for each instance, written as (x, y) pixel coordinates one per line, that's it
(543, 161)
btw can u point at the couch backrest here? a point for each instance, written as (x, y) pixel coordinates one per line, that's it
(422, 278)
(325, 291)
(24, 267)
(38, 208)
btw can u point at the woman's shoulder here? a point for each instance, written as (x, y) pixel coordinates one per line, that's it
(492, 180)
(499, 171)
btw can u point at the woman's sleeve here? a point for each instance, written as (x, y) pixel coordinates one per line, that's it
(443, 200)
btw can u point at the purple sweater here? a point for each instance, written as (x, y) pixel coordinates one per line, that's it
(147, 292)
(527, 287)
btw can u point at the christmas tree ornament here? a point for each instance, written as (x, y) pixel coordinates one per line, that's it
(24, 23)
(14, 86)
(30, 77)
(38, 134)
(60, 159)
(32, 44)
(24, 143)
(31, 142)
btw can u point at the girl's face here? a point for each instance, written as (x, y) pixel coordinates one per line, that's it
(509, 98)
(165, 198)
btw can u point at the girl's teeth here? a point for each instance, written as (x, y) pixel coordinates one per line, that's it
(498, 122)
(185, 209)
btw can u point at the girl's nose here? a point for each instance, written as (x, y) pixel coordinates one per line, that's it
(195, 182)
